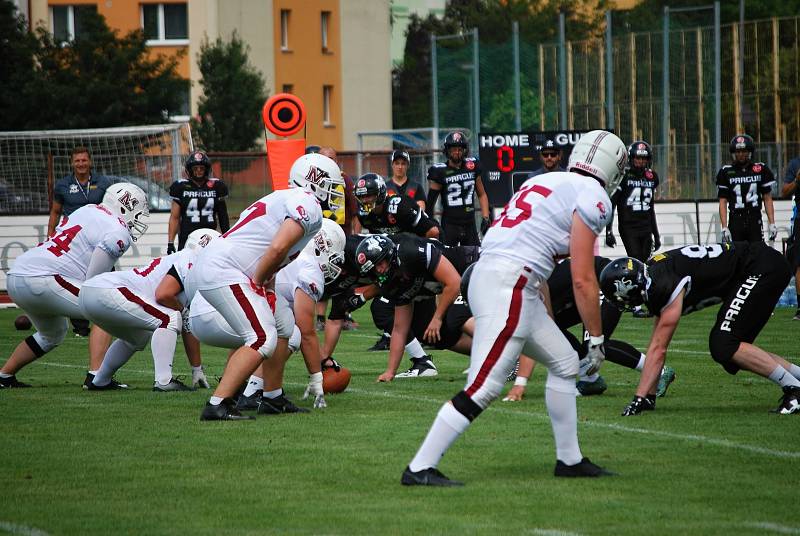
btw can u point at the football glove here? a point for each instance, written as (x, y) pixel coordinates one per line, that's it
(773, 232)
(595, 355)
(199, 379)
(485, 224)
(170, 248)
(727, 238)
(656, 242)
(610, 240)
(314, 387)
(330, 362)
(355, 300)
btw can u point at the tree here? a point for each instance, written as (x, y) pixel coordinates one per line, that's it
(234, 92)
(17, 48)
(98, 80)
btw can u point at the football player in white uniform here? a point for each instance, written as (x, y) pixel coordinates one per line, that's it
(232, 274)
(298, 287)
(132, 306)
(551, 216)
(46, 280)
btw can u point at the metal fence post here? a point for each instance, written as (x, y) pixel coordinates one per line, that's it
(517, 98)
(665, 91)
(476, 84)
(434, 91)
(610, 119)
(717, 88)
(562, 67)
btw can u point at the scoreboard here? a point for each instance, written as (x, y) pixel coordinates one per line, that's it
(508, 158)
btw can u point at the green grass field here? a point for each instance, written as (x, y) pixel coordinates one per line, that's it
(710, 460)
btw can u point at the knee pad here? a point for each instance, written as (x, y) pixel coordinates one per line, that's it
(722, 346)
(294, 340)
(266, 346)
(175, 321)
(559, 384)
(565, 367)
(34, 346)
(466, 406)
(49, 341)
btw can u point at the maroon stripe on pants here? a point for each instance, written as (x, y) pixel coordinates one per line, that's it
(149, 309)
(502, 339)
(72, 289)
(250, 313)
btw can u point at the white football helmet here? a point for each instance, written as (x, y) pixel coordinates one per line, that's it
(602, 155)
(321, 176)
(327, 247)
(129, 202)
(199, 238)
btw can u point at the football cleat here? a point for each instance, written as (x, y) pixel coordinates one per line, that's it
(641, 313)
(422, 367)
(173, 385)
(225, 411)
(113, 385)
(597, 387)
(584, 468)
(12, 383)
(427, 477)
(667, 377)
(278, 405)
(380, 346)
(790, 402)
(796, 315)
(249, 403)
(513, 374)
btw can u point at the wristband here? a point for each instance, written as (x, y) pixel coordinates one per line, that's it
(596, 341)
(315, 377)
(520, 381)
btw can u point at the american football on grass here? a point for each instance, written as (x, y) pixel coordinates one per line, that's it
(335, 382)
(22, 323)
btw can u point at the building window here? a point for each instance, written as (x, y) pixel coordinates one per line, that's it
(285, 29)
(326, 18)
(327, 93)
(165, 23)
(288, 88)
(68, 21)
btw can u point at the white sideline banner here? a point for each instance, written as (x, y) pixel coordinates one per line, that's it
(677, 223)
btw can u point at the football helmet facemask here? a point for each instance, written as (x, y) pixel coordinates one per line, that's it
(129, 203)
(624, 283)
(320, 176)
(367, 186)
(602, 155)
(327, 247)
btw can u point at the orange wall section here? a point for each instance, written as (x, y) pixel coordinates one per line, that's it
(124, 15)
(307, 68)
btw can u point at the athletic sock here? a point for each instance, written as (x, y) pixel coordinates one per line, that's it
(640, 365)
(253, 384)
(272, 394)
(782, 377)
(117, 355)
(215, 400)
(163, 346)
(562, 408)
(794, 370)
(447, 427)
(4, 375)
(414, 349)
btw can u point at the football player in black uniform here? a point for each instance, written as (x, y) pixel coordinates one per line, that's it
(197, 202)
(400, 184)
(633, 202)
(748, 278)
(410, 271)
(458, 180)
(742, 187)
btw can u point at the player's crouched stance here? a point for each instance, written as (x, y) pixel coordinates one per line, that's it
(747, 277)
(551, 216)
(46, 280)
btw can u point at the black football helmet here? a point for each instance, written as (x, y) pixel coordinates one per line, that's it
(455, 139)
(624, 283)
(640, 149)
(368, 185)
(372, 250)
(198, 158)
(742, 141)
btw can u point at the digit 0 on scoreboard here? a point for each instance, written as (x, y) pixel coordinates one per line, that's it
(505, 159)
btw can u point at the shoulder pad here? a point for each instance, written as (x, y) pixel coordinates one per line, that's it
(472, 158)
(182, 180)
(762, 164)
(727, 166)
(439, 165)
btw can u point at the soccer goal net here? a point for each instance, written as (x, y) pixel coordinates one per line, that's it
(149, 156)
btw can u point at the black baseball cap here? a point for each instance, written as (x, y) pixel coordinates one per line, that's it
(400, 154)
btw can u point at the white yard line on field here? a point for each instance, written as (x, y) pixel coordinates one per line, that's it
(536, 415)
(772, 527)
(22, 530)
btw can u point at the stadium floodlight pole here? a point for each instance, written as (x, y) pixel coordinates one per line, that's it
(476, 84)
(717, 89)
(665, 95)
(610, 120)
(562, 66)
(517, 98)
(434, 95)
